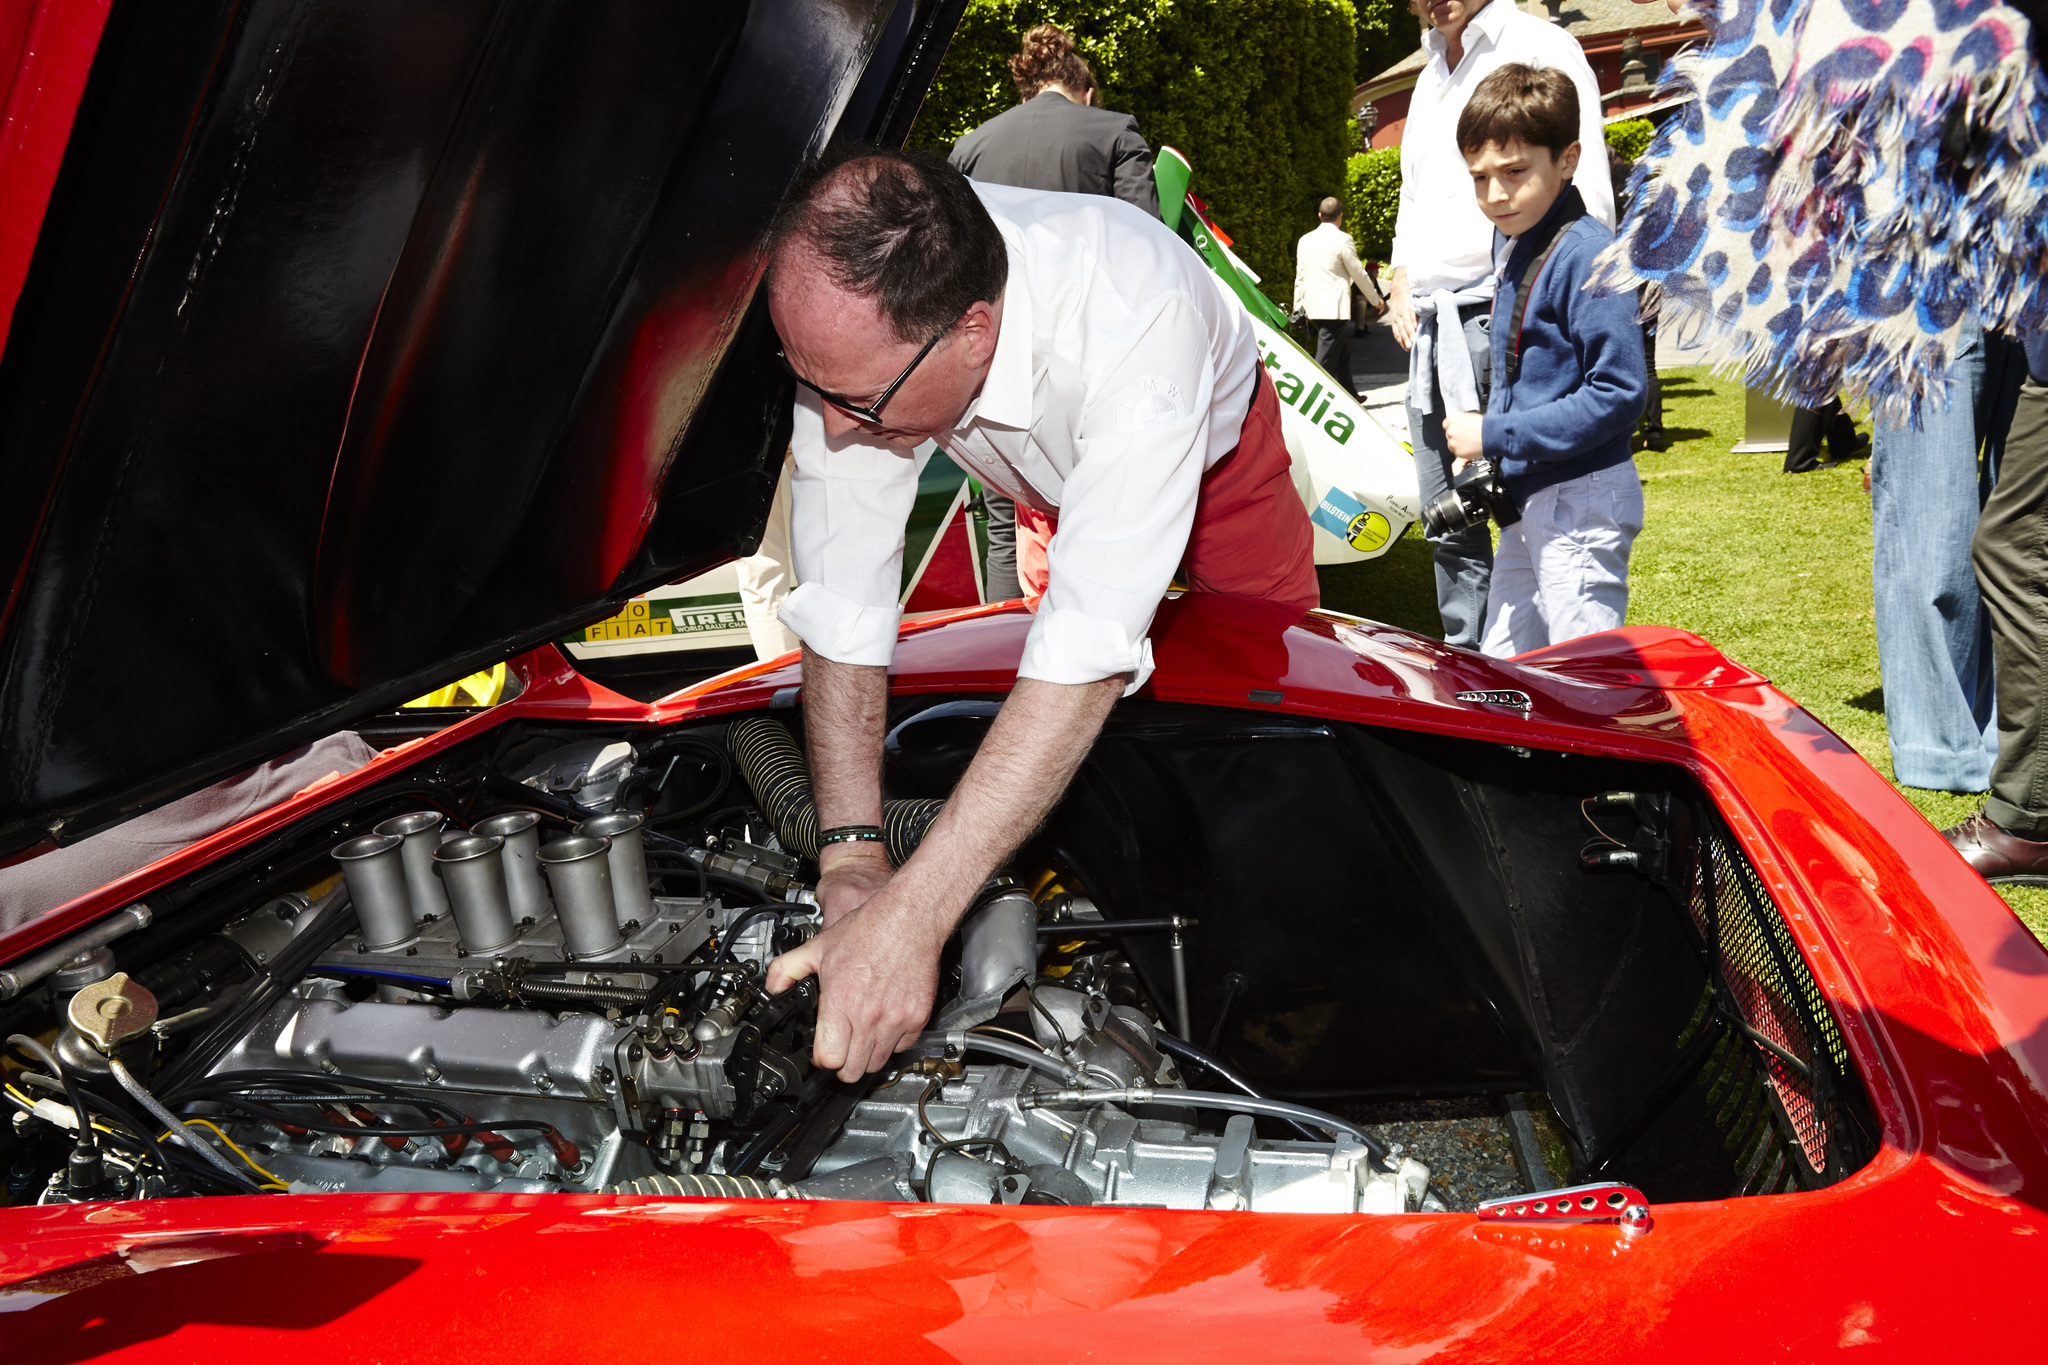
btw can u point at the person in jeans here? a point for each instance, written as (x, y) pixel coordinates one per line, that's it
(1934, 652)
(2007, 841)
(1568, 374)
(1326, 268)
(1056, 139)
(1442, 257)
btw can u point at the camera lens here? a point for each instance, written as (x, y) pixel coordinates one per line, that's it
(1448, 513)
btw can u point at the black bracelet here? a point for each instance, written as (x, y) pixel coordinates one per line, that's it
(852, 834)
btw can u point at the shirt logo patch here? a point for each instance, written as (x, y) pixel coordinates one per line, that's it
(1153, 401)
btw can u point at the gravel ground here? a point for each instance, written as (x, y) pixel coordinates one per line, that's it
(1465, 1143)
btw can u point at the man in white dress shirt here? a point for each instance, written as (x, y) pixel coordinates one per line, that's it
(1071, 351)
(1326, 267)
(1443, 254)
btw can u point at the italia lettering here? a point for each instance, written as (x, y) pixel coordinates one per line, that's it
(1288, 386)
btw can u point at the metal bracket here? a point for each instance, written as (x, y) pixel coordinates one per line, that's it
(1605, 1202)
(1510, 698)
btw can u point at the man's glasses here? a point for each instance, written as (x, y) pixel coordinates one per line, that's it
(871, 414)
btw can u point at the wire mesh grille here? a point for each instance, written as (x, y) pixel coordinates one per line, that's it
(1797, 1053)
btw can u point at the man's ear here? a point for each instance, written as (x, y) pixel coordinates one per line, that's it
(1568, 161)
(977, 329)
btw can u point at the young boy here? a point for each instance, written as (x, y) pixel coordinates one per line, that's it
(1568, 374)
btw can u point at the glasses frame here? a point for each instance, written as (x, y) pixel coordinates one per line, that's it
(871, 414)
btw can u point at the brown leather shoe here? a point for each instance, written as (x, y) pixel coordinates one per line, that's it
(1999, 857)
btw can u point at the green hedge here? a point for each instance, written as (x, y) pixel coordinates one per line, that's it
(1253, 92)
(1372, 198)
(1628, 140)
(1372, 185)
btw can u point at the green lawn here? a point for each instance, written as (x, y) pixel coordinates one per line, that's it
(1774, 568)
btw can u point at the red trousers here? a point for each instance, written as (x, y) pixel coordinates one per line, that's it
(1251, 536)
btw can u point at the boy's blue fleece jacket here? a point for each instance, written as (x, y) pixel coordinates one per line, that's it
(1575, 403)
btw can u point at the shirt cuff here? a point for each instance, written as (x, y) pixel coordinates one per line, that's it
(839, 628)
(1068, 646)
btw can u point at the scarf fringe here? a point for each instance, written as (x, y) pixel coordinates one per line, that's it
(1862, 171)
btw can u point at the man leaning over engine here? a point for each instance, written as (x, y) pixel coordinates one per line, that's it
(1072, 352)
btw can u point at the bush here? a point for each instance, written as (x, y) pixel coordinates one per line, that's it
(1372, 200)
(1253, 92)
(1628, 140)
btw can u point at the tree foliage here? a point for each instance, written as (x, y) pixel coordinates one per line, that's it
(1628, 140)
(1372, 198)
(1388, 30)
(1253, 92)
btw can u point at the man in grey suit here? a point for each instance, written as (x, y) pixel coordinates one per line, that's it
(1055, 140)
(1058, 140)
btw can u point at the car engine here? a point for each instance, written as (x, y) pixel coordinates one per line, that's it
(558, 997)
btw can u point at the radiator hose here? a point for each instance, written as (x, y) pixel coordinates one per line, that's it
(780, 779)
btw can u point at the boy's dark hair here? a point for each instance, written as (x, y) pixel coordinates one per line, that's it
(1537, 105)
(901, 228)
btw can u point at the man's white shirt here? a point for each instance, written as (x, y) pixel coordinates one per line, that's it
(1122, 372)
(1326, 265)
(1441, 237)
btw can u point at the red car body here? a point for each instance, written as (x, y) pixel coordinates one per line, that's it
(1935, 1249)
(1932, 1251)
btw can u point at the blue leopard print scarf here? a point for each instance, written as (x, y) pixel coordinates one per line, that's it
(1854, 177)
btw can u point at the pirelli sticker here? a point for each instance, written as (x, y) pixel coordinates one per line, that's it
(701, 620)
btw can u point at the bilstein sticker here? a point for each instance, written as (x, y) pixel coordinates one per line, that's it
(1348, 519)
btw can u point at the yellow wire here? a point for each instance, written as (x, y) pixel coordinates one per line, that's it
(276, 1180)
(24, 1098)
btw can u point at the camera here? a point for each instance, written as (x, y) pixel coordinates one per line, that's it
(1475, 494)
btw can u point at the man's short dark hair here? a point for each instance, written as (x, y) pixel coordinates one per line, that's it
(901, 228)
(1330, 210)
(1538, 106)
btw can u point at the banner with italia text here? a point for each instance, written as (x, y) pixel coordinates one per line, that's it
(1356, 478)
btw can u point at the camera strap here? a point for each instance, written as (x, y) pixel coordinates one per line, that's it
(1525, 290)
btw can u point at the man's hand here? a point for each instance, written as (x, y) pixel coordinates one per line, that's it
(849, 875)
(878, 968)
(877, 965)
(1463, 433)
(1401, 310)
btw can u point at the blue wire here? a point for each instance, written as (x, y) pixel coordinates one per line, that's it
(441, 982)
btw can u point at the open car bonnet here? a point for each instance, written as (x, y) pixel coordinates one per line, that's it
(367, 344)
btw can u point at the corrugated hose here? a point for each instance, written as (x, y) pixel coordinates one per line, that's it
(768, 757)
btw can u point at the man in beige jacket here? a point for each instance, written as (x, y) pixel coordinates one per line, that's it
(1325, 268)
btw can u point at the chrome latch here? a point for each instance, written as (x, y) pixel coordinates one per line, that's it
(1508, 697)
(1605, 1202)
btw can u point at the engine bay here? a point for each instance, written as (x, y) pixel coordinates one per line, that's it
(536, 965)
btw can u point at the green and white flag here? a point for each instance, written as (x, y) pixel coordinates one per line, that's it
(1356, 477)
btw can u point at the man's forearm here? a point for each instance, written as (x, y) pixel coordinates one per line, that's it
(1029, 756)
(845, 706)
